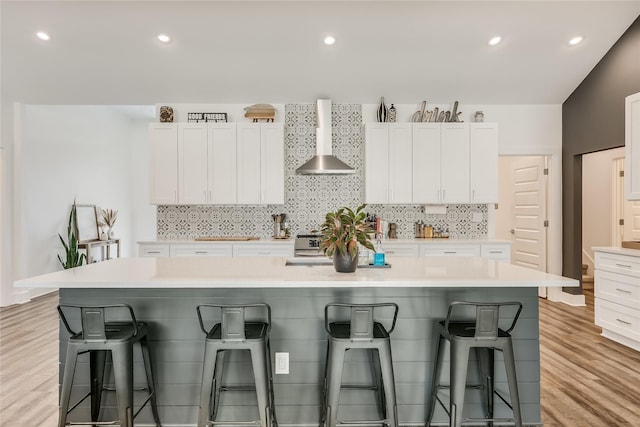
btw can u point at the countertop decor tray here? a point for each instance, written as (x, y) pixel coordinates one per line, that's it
(374, 266)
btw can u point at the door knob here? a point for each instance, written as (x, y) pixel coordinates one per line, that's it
(512, 231)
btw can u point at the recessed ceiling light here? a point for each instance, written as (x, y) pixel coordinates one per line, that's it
(43, 36)
(164, 38)
(575, 40)
(495, 40)
(329, 40)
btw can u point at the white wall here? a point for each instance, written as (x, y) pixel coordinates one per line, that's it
(95, 154)
(597, 198)
(6, 195)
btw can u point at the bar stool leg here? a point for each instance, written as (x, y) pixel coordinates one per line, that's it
(486, 371)
(259, 362)
(208, 371)
(146, 357)
(510, 366)
(335, 365)
(97, 362)
(122, 356)
(67, 382)
(458, 374)
(376, 373)
(386, 365)
(272, 404)
(435, 380)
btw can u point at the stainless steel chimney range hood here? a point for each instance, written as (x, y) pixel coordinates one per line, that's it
(324, 163)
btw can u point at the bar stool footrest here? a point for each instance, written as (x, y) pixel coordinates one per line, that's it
(361, 422)
(235, 423)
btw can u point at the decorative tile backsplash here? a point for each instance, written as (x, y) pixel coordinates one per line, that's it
(308, 198)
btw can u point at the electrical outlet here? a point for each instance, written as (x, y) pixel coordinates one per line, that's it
(282, 363)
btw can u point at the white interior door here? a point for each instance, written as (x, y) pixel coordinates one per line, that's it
(626, 213)
(529, 213)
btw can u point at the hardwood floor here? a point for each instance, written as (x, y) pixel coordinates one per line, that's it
(587, 380)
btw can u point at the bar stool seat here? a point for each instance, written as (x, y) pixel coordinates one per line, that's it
(361, 331)
(99, 337)
(485, 337)
(232, 332)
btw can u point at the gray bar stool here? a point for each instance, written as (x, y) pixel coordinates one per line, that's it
(485, 337)
(97, 337)
(234, 333)
(361, 331)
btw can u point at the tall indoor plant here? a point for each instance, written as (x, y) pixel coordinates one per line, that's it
(342, 231)
(73, 258)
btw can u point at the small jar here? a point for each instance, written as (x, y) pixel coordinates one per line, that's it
(479, 117)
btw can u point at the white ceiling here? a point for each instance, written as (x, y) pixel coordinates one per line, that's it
(105, 52)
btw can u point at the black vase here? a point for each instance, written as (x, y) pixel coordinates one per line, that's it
(383, 112)
(344, 263)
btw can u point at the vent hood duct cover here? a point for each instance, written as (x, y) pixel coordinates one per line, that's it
(324, 163)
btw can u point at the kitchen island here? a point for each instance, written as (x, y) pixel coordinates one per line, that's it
(166, 291)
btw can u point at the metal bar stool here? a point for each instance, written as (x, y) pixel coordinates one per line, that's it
(97, 337)
(361, 331)
(485, 337)
(234, 333)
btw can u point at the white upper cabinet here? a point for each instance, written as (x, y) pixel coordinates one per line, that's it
(163, 164)
(260, 163)
(272, 163)
(217, 163)
(388, 153)
(484, 162)
(431, 163)
(193, 165)
(454, 163)
(632, 147)
(223, 166)
(426, 163)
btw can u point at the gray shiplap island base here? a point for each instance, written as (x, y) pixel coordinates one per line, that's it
(165, 292)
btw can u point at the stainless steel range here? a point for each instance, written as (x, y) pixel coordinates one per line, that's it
(307, 245)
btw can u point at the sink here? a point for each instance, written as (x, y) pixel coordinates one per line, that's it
(306, 261)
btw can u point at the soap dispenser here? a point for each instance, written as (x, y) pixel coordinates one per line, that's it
(378, 256)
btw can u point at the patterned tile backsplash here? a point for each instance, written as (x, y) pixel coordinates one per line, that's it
(307, 197)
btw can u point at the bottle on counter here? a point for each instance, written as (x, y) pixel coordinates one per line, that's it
(378, 256)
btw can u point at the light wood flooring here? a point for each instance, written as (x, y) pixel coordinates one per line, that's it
(587, 380)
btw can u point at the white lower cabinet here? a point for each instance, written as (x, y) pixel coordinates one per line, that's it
(398, 249)
(201, 250)
(617, 295)
(450, 249)
(262, 250)
(497, 251)
(154, 250)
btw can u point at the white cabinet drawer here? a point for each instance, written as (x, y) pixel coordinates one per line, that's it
(618, 263)
(618, 288)
(617, 318)
(496, 251)
(153, 251)
(201, 250)
(263, 250)
(439, 249)
(396, 249)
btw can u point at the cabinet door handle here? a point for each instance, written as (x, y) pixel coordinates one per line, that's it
(153, 252)
(622, 321)
(623, 265)
(623, 290)
(201, 252)
(495, 252)
(443, 196)
(473, 194)
(450, 252)
(175, 196)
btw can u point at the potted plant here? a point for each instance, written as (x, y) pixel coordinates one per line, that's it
(72, 257)
(342, 231)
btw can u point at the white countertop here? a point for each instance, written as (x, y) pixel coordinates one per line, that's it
(271, 272)
(618, 250)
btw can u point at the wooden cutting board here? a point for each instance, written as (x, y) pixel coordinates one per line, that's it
(225, 239)
(631, 244)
